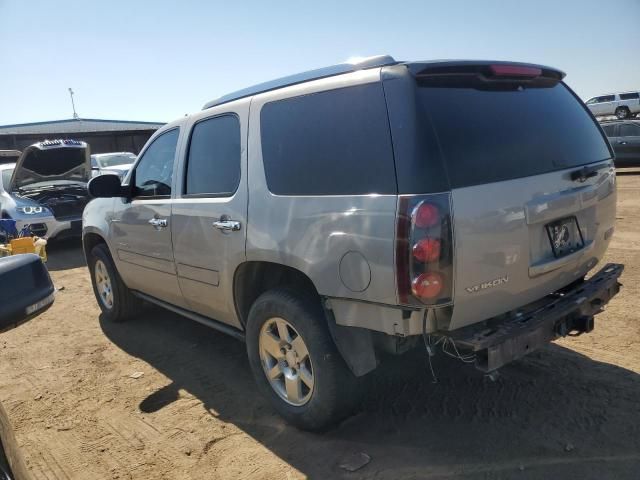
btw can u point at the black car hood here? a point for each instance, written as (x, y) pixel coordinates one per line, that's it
(52, 162)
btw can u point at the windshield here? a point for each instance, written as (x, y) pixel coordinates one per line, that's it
(106, 161)
(493, 135)
(6, 178)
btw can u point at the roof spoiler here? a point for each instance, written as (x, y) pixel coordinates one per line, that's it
(486, 70)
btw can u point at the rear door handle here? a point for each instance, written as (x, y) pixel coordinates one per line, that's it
(622, 143)
(227, 225)
(158, 223)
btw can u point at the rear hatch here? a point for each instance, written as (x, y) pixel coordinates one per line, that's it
(531, 179)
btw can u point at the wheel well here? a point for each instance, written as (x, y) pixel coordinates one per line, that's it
(252, 279)
(89, 241)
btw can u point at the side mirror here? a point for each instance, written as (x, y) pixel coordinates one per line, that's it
(26, 290)
(107, 186)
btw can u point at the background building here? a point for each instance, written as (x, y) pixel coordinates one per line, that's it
(102, 135)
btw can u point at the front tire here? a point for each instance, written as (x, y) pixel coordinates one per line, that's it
(295, 362)
(114, 298)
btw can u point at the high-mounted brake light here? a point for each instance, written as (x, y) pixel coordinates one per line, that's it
(515, 71)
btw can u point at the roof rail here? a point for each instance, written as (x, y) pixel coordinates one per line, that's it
(351, 65)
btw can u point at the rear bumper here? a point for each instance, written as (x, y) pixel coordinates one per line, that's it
(570, 312)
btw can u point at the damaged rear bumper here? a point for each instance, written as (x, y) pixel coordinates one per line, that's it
(570, 312)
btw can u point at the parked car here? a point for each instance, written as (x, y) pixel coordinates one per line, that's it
(47, 188)
(330, 216)
(622, 105)
(27, 291)
(117, 163)
(625, 140)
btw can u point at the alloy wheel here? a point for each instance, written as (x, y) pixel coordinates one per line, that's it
(103, 284)
(286, 362)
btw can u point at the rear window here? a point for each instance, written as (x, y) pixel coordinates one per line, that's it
(328, 143)
(494, 135)
(629, 96)
(609, 130)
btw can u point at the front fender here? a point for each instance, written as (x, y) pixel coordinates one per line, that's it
(96, 219)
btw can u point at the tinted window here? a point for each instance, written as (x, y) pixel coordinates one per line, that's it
(491, 135)
(154, 172)
(609, 130)
(629, 130)
(606, 98)
(328, 143)
(213, 165)
(629, 96)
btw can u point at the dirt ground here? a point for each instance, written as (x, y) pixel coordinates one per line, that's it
(569, 411)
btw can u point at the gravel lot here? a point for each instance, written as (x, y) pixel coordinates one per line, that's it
(67, 382)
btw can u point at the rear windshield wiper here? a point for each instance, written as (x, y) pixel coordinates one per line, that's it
(585, 172)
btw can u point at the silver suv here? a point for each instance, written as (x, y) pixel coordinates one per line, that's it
(622, 105)
(332, 216)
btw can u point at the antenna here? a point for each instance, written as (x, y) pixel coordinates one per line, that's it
(73, 105)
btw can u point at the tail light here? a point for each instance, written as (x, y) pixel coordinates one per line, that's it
(424, 250)
(427, 250)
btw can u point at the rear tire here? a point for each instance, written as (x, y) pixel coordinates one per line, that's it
(622, 113)
(292, 325)
(114, 298)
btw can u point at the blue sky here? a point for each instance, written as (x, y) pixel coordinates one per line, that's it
(157, 60)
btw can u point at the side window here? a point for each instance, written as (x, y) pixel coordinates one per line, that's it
(629, 96)
(328, 143)
(609, 130)
(606, 98)
(154, 172)
(592, 101)
(213, 163)
(629, 130)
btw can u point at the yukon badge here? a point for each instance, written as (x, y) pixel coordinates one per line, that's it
(489, 284)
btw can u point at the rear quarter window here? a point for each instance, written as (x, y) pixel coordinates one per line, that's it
(494, 135)
(629, 96)
(335, 142)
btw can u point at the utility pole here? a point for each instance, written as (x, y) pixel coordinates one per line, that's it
(73, 105)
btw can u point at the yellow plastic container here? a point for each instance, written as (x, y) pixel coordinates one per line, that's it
(25, 245)
(22, 245)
